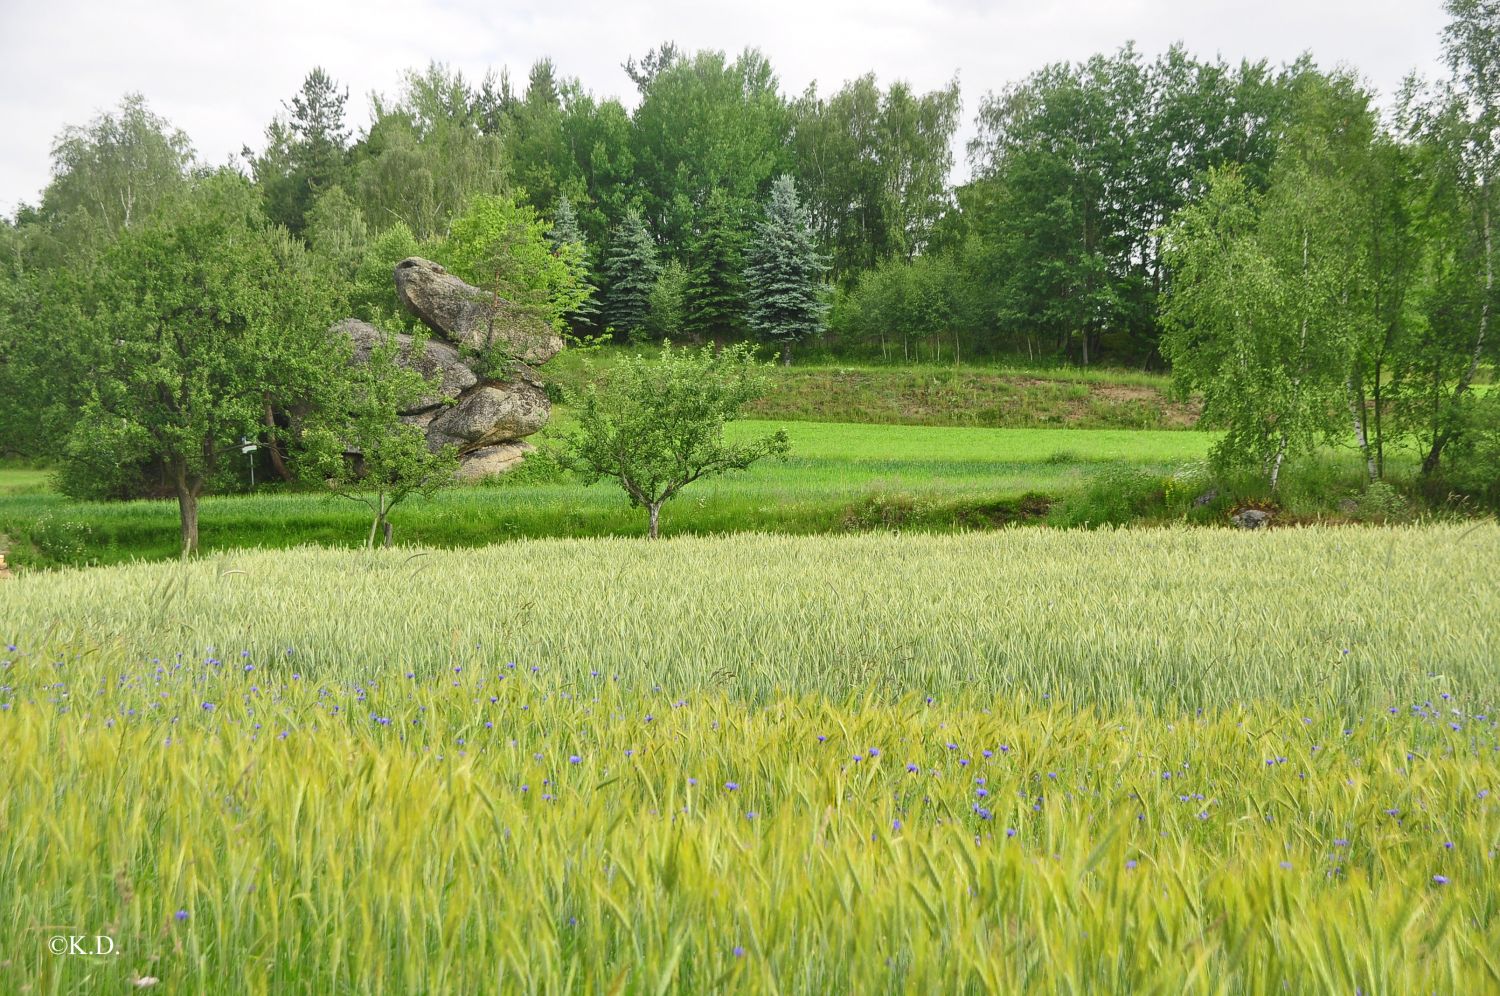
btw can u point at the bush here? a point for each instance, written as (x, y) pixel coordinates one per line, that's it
(1116, 496)
(1474, 462)
(880, 510)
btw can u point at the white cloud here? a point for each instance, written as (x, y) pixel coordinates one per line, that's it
(221, 70)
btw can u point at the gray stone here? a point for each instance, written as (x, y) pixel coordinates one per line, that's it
(470, 317)
(438, 360)
(488, 461)
(492, 413)
(1251, 518)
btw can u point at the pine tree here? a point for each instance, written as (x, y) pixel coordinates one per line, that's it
(714, 294)
(567, 238)
(630, 271)
(784, 273)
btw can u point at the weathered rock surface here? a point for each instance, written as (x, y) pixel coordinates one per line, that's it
(487, 461)
(438, 360)
(491, 414)
(1251, 518)
(467, 316)
(485, 419)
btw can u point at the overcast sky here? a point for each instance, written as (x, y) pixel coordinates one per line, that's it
(220, 70)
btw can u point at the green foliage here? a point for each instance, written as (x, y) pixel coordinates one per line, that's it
(917, 304)
(784, 272)
(1118, 495)
(503, 246)
(630, 271)
(658, 424)
(874, 167)
(713, 295)
(425, 158)
(568, 241)
(306, 152)
(192, 325)
(372, 297)
(704, 123)
(115, 173)
(339, 237)
(668, 306)
(366, 452)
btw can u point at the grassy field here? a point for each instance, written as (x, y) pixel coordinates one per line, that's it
(967, 395)
(834, 472)
(1119, 761)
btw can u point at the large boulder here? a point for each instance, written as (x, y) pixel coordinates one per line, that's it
(487, 461)
(491, 413)
(470, 317)
(438, 360)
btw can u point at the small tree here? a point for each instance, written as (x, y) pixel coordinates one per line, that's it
(784, 272)
(569, 243)
(630, 271)
(371, 455)
(658, 425)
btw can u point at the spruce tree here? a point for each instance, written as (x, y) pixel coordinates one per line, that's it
(784, 273)
(714, 294)
(567, 239)
(630, 273)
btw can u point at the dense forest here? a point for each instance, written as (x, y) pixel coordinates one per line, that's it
(1313, 265)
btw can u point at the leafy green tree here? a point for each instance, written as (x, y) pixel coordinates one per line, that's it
(426, 155)
(1265, 308)
(785, 272)
(668, 297)
(657, 425)
(366, 453)
(190, 324)
(630, 272)
(113, 174)
(568, 242)
(713, 297)
(874, 167)
(1458, 131)
(704, 123)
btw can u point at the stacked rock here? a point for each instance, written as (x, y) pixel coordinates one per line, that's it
(487, 419)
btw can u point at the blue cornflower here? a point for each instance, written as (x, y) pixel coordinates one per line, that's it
(574, 759)
(739, 952)
(1440, 879)
(182, 914)
(732, 786)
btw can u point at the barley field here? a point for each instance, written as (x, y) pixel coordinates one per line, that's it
(1132, 761)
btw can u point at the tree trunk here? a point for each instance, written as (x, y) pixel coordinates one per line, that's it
(388, 530)
(187, 509)
(786, 354)
(654, 510)
(1356, 411)
(277, 463)
(1276, 464)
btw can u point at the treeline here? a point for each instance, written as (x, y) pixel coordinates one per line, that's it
(1168, 211)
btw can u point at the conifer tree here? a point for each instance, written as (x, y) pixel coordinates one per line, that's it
(784, 272)
(630, 270)
(714, 293)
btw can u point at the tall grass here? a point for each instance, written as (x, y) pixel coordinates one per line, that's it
(499, 829)
(1342, 617)
(1117, 761)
